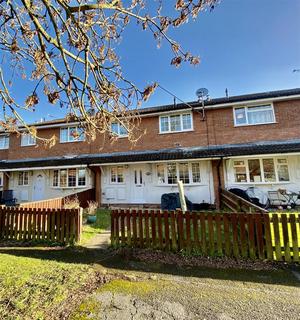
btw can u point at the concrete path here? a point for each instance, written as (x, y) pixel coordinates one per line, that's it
(100, 241)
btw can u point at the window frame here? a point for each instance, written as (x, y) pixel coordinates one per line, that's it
(27, 136)
(68, 128)
(110, 175)
(177, 164)
(1, 179)
(118, 134)
(23, 184)
(6, 144)
(181, 122)
(262, 171)
(58, 185)
(246, 108)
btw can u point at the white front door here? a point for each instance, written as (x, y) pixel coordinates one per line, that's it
(38, 188)
(138, 179)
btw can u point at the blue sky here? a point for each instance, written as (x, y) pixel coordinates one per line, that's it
(245, 46)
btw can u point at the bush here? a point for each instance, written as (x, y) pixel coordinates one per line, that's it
(92, 207)
(72, 203)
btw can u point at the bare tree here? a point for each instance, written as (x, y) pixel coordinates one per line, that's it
(68, 51)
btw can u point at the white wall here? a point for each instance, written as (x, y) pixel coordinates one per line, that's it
(151, 191)
(292, 185)
(25, 193)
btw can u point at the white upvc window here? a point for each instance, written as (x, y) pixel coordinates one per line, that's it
(176, 123)
(261, 170)
(118, 130)
(4, 141)
(254, 115)
(27, 140)
(23, 178)
(117, 175)
(69, 178)
(71, 134)
(170, 173)
(1, 179)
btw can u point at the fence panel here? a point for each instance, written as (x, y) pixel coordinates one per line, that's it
(255, 236)
(55, 225)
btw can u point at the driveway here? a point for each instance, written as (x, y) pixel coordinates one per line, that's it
(177, 293)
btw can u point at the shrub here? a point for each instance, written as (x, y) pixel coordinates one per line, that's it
(92, 207)
(72, 203)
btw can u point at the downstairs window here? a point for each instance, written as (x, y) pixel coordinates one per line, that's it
(69, 178)
(169, 173)
(261, 170)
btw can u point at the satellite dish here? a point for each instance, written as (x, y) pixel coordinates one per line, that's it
(201, 93)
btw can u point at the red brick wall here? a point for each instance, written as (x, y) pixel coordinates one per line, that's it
(220, 128)
(287, 126)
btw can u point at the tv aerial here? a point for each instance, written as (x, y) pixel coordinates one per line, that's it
(203, 96)
(202, 93)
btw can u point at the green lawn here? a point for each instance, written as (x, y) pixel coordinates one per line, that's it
(50, 283)
(102, 223)
(32, 288)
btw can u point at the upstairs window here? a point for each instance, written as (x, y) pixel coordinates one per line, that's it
(118, 130)
(267, 170)
(4, 142)
(69, 178)
(71, 134)
(27, 140)
(254, 115)
(176, 123)
(23, 179)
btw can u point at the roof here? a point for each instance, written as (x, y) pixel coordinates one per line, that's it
(212, 102)
(216, 151)
(225, 100)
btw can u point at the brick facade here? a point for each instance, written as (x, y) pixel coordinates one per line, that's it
(217, 129)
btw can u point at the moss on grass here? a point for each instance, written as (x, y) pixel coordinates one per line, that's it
(137, 288)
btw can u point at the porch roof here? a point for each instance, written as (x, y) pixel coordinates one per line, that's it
(210, 152)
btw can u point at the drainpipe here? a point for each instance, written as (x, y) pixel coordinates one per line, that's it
(219, 181)
(218, 172)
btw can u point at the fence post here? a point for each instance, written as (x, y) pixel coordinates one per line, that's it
(112, 227)
(78, 230)
(180, 231)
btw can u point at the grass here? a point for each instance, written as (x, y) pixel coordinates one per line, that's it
(31, 288)
(102, 223)
(42, 283)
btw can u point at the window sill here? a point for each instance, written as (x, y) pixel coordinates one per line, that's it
(255, 124)
(171, 132)
(117, 184)
(68, 188)
(261, 183)
(185, 185)
(29, 145)
(71, 141)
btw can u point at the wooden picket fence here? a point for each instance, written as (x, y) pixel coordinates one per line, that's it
(31, 224)
(56, 203)
(239, 235)
(238, 204)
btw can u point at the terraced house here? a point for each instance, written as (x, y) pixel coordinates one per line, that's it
(247, 140)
